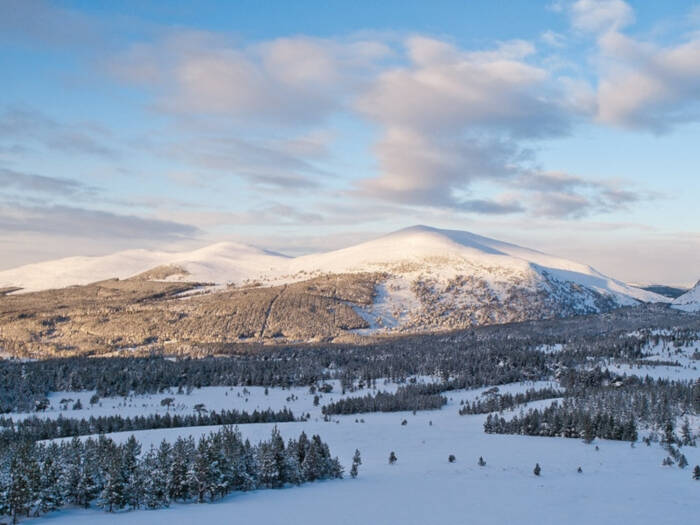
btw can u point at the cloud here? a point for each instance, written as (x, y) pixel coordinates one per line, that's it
(264, 163)
(445, 90)
(283, 81)
(452, 117)
(552, 38)
(645, 86)
(87, 223)
(22, 125)
(422, 170)
(561, 195)
(600, 16)
(640, 84)
(43, 184)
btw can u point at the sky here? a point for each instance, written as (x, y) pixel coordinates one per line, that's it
(572, 127)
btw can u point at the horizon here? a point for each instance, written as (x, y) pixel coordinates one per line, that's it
(569, 127)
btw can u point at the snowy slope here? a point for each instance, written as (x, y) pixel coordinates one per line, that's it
(450, 252)
(689, 301)
(219, 263)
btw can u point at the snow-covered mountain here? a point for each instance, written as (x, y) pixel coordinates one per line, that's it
(218, 263)
(449, 279)
(689, 301)
(429, 277)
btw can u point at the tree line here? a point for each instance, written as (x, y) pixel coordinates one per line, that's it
(497, 402)
(36, 429)
(565, 421)
(408, 397)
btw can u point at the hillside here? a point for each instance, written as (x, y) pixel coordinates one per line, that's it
(689, 301)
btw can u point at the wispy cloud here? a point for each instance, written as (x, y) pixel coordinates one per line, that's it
(24, 126)
(88, 223)
(30, 182)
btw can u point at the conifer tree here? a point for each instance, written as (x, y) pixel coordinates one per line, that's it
(113, 495)
(183, 450)
(356, 462)
(19, 493)
(51, 495)
(132, 473)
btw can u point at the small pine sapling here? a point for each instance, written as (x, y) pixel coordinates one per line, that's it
(356, 462)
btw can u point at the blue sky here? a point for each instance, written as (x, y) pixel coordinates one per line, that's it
(567, 126)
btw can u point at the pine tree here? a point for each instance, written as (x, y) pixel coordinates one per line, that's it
(686, 434)
(682, 462)
(356, 462)
(280, 458)
(198, 475)
(132, 472)
(312, 467)
(51, 496)
(113, 495)
(155, 487)
(19, 490)
(73, 472)
(163, 472)
(4, 492)
(183, 451)
(33, 475)
(669, 437)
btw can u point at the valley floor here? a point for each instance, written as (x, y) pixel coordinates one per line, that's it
(619, 483)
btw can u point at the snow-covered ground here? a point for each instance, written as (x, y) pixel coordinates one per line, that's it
(618, 484)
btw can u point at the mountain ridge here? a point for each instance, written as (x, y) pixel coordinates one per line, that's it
(235, 263)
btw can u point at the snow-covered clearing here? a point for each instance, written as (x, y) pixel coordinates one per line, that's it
(685, 364)
(618, 484)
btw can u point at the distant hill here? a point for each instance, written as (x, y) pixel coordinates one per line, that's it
(667, 291)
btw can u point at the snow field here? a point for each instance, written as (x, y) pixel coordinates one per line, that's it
(618, 483)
